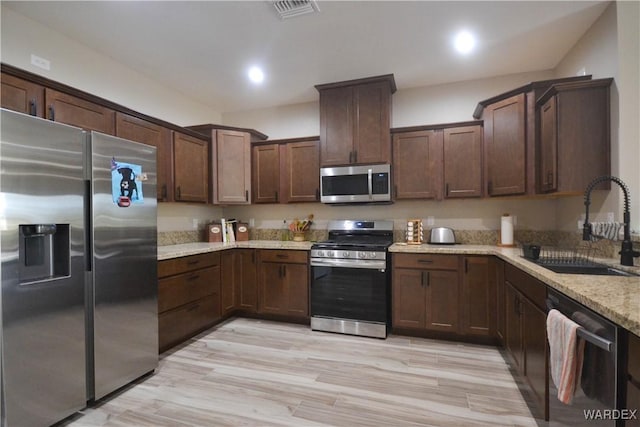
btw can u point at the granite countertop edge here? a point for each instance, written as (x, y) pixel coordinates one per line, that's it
(616, 298)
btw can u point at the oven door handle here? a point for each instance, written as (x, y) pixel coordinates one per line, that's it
(349, 263)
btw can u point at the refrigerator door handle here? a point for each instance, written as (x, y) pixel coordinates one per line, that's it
(88, 237)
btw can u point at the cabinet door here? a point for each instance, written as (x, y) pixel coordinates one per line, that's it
(548, 166)
(231, 164)
(409, 297)
(300, 175)
(442, 300)
(463, 162)
(266, 173)
(417, 164)
(228, 283)
(505, 146)
(22, 96)
(633, 378)
(246, 285)
(135, 129)
(73, 111)
(513, 329)
(500, 300)
(191, 177)
(175, 326)
(272, 288)
(372, 139)
(534, 337)
(478, 296)
(296, 277)
(336, 126)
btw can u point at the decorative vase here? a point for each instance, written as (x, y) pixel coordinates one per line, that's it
(298, 236)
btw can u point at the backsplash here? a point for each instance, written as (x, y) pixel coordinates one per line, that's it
(571, 240)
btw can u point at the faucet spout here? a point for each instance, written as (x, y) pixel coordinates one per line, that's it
(626, 253)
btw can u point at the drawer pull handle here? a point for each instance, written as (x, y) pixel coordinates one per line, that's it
(194, 277)
(425, 261)
(193, 262)
(193, 308)
(282, 256)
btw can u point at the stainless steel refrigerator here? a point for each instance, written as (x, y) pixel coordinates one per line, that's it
(78, 264)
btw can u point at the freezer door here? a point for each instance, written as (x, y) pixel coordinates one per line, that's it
(124, 263)
(43, 269)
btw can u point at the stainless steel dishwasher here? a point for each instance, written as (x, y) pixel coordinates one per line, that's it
(599, 397)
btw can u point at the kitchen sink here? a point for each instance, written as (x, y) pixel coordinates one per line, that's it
(595, 269)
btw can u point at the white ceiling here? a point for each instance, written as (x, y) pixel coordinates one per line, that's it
(203, 49)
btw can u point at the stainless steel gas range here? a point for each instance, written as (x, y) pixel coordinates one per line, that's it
(351, 279)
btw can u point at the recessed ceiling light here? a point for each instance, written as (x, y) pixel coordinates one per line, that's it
(256, 75)
(464, 42)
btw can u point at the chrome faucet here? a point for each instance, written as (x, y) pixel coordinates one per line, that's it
(626, 253)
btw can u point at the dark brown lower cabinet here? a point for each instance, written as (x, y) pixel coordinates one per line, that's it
(426, 292)
(239, 287)
(188, 297)
(501, 323)
(283, 283)
(526, 332)
(478, 300)
(633, 379)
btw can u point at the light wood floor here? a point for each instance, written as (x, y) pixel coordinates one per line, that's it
(258, 373)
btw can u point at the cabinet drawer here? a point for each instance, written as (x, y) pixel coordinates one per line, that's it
(177, 290)
(183, 264)
(532, 288)
(285, 256)
(177, 325)
(426, 261)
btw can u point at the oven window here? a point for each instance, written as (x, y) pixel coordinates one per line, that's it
(349, 293)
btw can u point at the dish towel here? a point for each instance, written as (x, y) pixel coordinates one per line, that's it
(606, 230)
(565, 354)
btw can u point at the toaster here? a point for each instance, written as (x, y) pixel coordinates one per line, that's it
(442, 236)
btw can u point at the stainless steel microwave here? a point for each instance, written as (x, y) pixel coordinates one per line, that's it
(355, 184)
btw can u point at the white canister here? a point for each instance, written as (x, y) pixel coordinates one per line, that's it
(506, 230)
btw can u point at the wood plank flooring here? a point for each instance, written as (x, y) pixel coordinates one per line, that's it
(250, 372)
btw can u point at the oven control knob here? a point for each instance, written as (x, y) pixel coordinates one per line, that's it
(329, 253)
(345, 254)
(372, 254)
(362, 254)
(320, 253)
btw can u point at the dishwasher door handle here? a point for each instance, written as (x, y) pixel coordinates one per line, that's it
(594, 339)
(582, 332)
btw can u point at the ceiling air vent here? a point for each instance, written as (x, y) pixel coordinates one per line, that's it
(292, 8)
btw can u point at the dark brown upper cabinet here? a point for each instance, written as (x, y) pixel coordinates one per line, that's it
(574, 132)
(22, 95)
(355, 119)
(230, 162)
(286, 171)
(191, 168)
(438, 161)
(510, 138)
(145, 132)
(506, 146)
(462, 162)
(417, 164)
(64, 108)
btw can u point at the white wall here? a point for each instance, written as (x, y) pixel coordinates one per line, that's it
(448, 103)
(76, 65)
(610, 49)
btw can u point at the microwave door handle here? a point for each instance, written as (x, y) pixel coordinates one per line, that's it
(370, 183)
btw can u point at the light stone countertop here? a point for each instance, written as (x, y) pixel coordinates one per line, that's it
(614, 297)
(186, 249)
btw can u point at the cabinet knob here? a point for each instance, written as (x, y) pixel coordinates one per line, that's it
(317, 194)
(33, 111)
(246, 195)
(52, 113)
(277, 198)
(178, 193)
